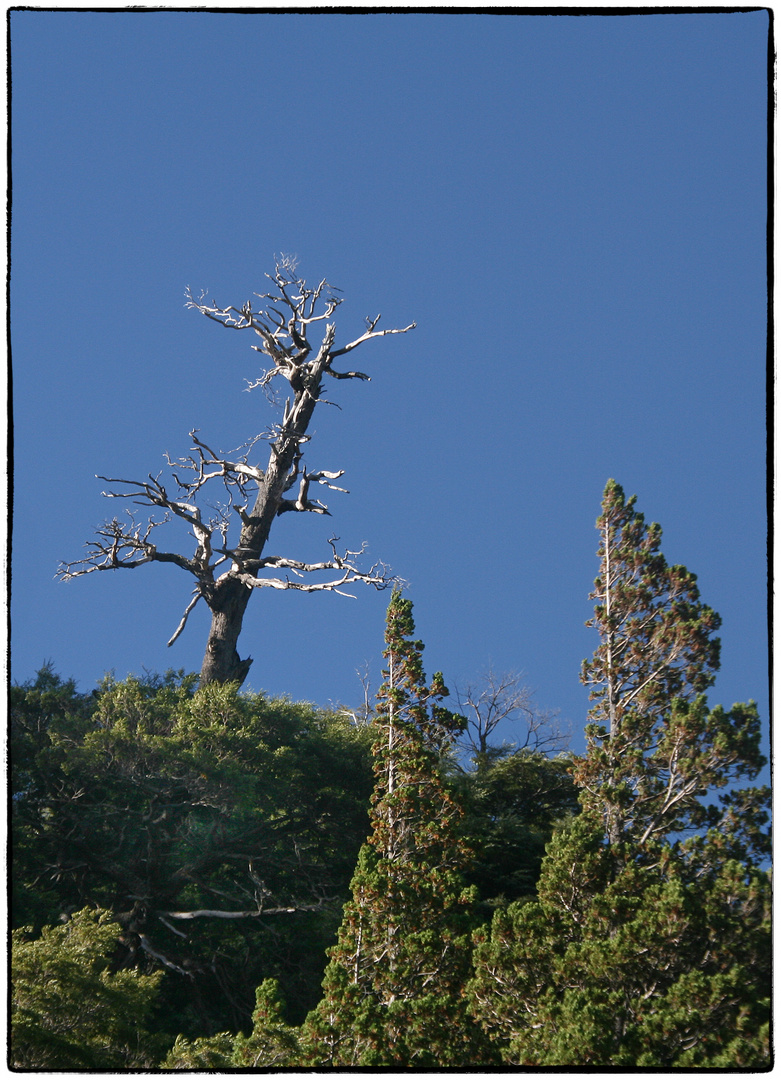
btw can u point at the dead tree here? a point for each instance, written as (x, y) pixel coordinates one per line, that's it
(505, 699)
(226, 576)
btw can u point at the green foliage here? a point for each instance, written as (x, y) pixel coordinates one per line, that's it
(649, 966)
(156, 802)
(512, 804)
(199, 1055)
(35, 708)
(393, 990)
(656, 654)
(655, 749)
(219, 834)
(273, 1043)
(69, 1008)
(644, 947)
(149, 799)
(656, 637)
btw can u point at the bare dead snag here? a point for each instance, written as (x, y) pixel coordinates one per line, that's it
(225, 576)
(503, 698)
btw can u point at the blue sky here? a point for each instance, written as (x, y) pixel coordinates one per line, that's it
(572, 208)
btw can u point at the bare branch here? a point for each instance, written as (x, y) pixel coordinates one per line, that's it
(379, 578)
(378, 575)
(167, 925)
(212, 913)
(280, 329)
(231, 472)
(183, 622)
(147, 946)
(348, 374)
(302, 502)
(504, 698)
(370, 333)
(363, 715)
(121, 546)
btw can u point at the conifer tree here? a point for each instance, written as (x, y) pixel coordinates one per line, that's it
(656, 653)
(641, 966)
(394, 984)
(272, 1043)
(646, 946)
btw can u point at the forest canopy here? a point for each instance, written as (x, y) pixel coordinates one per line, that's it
(264, 883)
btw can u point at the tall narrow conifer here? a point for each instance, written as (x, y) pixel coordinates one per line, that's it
(653, 745)
(394, 985)
(645, 946)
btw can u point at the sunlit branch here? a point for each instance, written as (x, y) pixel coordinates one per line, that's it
(280, 322)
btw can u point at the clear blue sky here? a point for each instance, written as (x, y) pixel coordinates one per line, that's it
(572, 208)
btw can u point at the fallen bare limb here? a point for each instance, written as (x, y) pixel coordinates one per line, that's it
(212, 913)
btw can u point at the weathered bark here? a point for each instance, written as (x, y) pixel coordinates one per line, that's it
(229, 599)
(221, 661)
(282, 327)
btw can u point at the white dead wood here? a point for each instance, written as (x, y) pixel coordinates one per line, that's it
(252, 495)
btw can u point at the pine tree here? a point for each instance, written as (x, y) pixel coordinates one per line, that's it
(273, 1043)
(640, 966)
(394, 984)
(655, 751)
(646, 945)
(656, 648)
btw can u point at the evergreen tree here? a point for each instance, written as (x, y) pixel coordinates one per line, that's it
(656, 648)
(646, 946)
(394, 984)
(644, 966)
(273, 1042)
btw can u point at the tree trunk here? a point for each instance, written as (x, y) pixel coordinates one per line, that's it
(230, 595)
(282, 326)
(221, 661)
